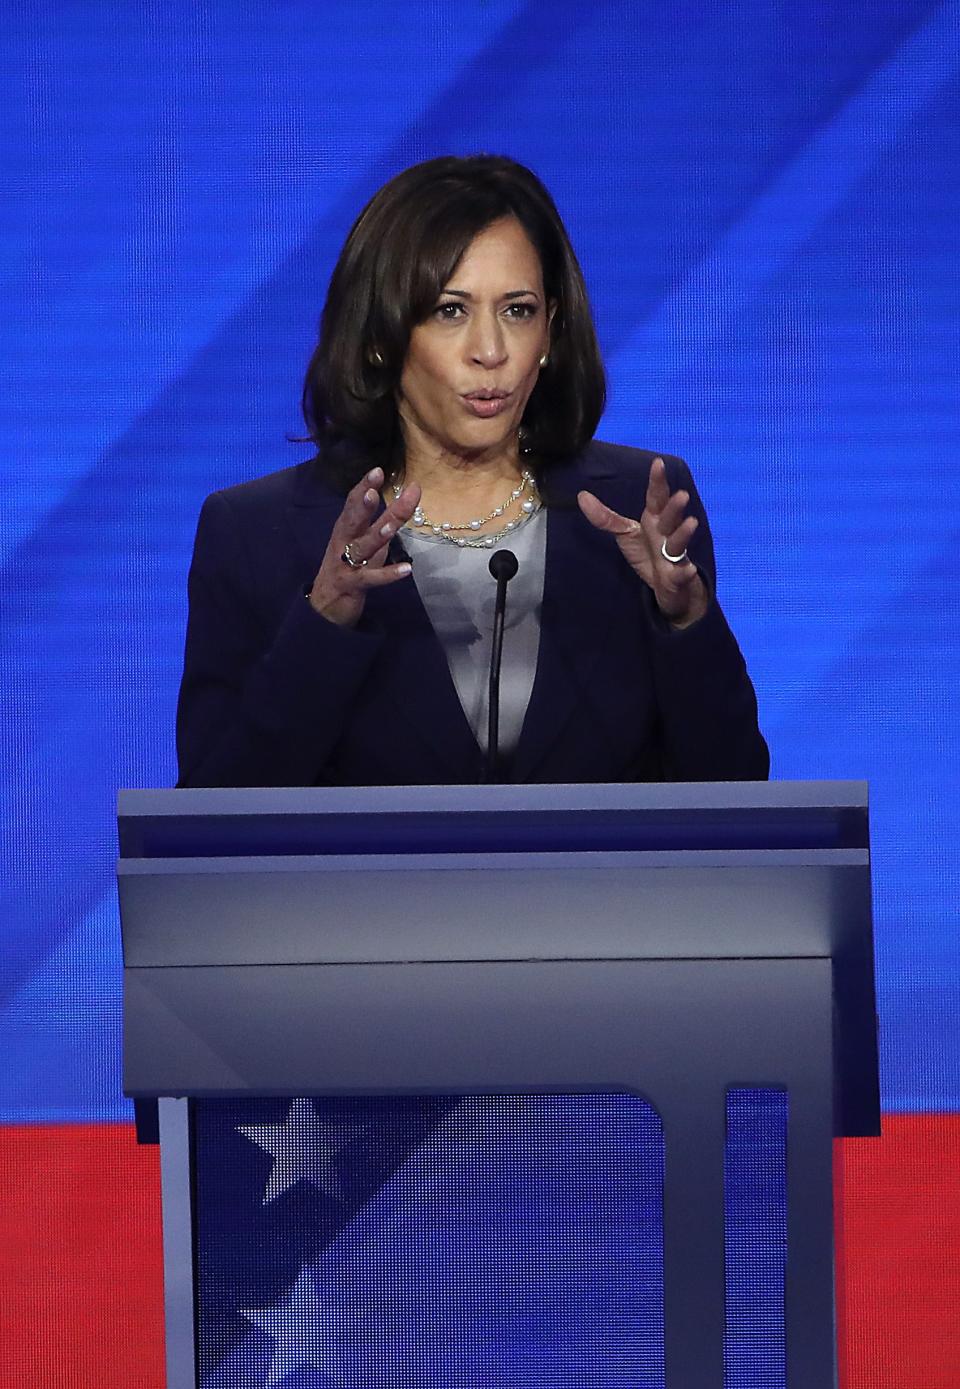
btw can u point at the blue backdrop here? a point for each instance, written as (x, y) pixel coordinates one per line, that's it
(764, 198)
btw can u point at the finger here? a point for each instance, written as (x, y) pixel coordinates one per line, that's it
(658, 489)
(677, 541)
(386, 574)
(677, 577)
(673, 513)
(399, 511)
(355, 516)
(604, 517)
(371, 544)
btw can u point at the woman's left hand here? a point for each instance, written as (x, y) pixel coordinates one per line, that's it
(678, 588)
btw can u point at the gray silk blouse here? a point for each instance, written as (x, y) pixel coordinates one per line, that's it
(459, 594)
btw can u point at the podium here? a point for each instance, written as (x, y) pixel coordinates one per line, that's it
(670, 941)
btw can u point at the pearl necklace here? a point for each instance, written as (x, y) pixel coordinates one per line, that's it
(446, 530)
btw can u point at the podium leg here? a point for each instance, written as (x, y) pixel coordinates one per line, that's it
(693, 1240)
(810, 1329)
(178, 1300)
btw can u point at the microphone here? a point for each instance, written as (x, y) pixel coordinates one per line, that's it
(503, 566)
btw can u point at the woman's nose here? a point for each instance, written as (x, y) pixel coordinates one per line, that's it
(487, 343)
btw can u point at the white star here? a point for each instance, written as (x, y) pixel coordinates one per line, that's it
(296, 1326)
(303, 1149)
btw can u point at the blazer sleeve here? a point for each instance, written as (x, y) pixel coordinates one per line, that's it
(705, 697)
(261, 703)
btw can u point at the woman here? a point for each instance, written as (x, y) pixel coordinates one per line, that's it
(340, 610)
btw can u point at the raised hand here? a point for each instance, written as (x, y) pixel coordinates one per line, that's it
(651, 545)
(340, 588)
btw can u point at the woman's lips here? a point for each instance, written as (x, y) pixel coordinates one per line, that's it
(485, 406)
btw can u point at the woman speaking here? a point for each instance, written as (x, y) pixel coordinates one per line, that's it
(341, 611)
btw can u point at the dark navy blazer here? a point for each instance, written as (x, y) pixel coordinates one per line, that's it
(275, 695)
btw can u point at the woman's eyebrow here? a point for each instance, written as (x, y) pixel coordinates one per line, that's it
(510, 294)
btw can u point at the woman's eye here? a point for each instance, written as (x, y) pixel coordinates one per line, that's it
(447, 312)
(522, 310)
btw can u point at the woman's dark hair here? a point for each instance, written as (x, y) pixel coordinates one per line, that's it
(400, 253)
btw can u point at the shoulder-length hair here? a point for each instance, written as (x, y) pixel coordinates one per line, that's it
(400, 253)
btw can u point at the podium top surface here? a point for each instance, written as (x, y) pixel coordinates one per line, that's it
(256, 889)
(438, 819)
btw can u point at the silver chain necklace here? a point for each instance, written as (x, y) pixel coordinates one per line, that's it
(447, 530)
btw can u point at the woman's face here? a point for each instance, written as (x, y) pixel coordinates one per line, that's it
(472, 364)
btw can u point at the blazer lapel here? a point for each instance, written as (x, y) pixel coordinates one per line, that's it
(572, 642)
(416, 695)
(418, 689)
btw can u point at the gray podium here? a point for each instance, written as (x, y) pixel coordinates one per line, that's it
(671, 941)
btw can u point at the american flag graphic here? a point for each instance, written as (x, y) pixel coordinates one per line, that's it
(469, 1243)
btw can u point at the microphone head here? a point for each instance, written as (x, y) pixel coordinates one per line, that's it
(503, 565)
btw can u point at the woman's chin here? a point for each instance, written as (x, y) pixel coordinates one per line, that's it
(494, 434)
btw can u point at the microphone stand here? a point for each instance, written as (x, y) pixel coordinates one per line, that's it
(503, 566)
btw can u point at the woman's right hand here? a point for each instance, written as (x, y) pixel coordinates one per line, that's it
(340, 590)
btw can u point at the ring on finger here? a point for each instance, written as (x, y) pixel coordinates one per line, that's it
(673, 559)
(349, 558)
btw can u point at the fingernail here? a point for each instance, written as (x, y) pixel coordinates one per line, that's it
(370, 497)
(404, 569)
(388, 529)
(375, 475)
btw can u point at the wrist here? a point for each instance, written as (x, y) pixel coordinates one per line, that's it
(336, 612)
(699, 601)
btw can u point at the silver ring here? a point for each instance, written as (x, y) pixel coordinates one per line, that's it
(673, 559)
(348, 558)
